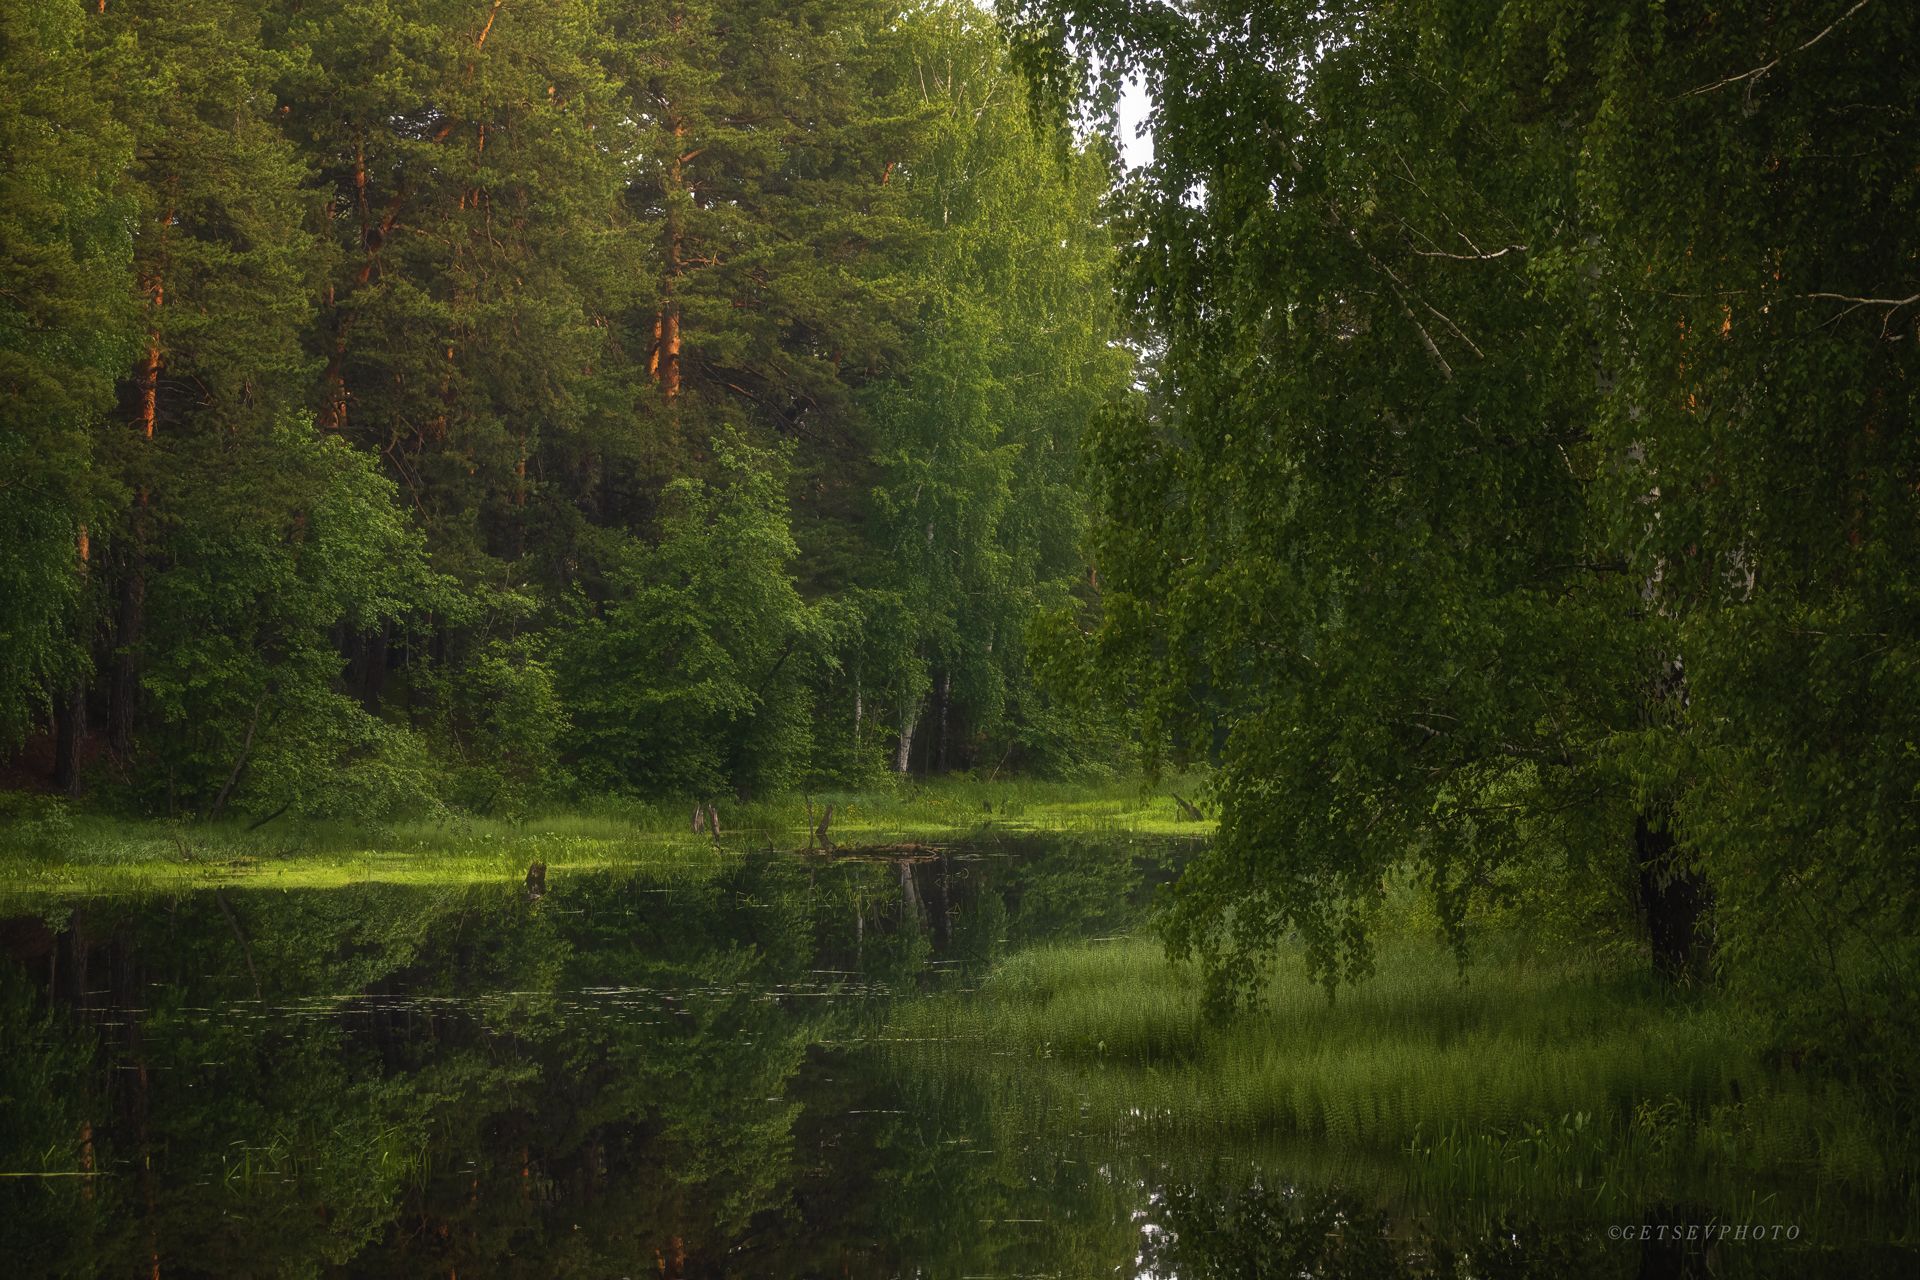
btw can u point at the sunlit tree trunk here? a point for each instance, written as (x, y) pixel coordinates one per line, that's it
(124, 690)
(909, 718)
(669, 322)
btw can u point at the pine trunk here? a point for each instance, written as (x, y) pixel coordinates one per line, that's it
(670, 353)
(669, 323)
(150, 383)
(123, 692)
(69, 731)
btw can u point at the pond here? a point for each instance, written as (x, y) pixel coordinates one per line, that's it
(781, 1065)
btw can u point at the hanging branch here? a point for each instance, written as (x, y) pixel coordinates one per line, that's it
(1765, 67)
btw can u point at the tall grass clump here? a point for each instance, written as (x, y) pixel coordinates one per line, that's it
(1519, 1073)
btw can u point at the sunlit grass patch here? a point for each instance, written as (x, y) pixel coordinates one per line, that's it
(949, 808)
(96, 855)
(58, 852)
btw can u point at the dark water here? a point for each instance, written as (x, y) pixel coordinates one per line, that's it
(637, 1076)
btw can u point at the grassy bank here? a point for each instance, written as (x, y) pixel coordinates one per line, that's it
(45, 848)
(1527, 1079)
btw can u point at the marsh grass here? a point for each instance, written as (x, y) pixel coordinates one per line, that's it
(1523, 1077)
(46, 849)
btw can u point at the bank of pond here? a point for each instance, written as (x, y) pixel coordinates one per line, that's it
(946, 1059)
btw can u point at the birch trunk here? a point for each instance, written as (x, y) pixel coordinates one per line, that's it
(940, 742)
(908, 719)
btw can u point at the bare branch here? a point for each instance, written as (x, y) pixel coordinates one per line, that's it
(1458, 332)
(1762, 70)
(1907, 301)
(1891, 304)
(1472, 257)
(1426, 339)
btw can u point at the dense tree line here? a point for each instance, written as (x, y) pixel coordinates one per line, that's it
(1529, 498)
(478, 399)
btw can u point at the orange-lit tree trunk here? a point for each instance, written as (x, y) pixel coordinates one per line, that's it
(670, 352)
(124, 692)
(487, 30)
(669, 358)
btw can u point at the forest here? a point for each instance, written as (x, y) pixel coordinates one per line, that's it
(1204, 638)
(483, 406)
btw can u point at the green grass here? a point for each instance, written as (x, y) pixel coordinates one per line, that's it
(1530, 1077)
(953, 808)
(46, 850)
(100, 857)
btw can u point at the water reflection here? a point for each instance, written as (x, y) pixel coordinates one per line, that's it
(615, 1075)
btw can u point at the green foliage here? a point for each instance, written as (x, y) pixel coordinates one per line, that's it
(691, 681)
(1529, 454)
(288, 537)
(528, 261)
(977, 444)
(474, 253)
(64, 333)
(511, 722)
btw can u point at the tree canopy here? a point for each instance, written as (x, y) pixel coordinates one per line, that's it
(1529, 475)
(457, 403)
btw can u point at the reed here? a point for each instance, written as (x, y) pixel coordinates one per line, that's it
(1521, 1075)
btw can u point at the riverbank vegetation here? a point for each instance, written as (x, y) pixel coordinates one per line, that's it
(45, 848)
(1527, 490)
(1533, 1079)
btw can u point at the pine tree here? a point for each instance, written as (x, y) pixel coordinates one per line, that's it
(471, 155)
(226, 266)
(762, 168)
(64, 333)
